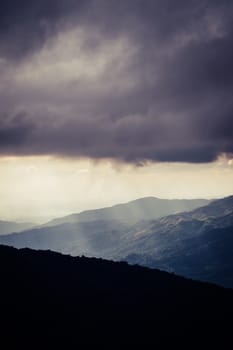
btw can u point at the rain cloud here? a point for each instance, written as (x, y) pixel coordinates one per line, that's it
(133, 80)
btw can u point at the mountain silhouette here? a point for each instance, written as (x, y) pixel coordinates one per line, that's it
(54, 294)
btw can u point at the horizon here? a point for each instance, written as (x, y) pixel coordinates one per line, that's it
(36, 221)
(39, 189)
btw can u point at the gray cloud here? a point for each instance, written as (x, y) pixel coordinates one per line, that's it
(129, 80)
(26, 25)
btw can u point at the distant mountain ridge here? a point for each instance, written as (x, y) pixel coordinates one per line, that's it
(215, 208)
(148, 208)
(7, 227)
(95, 238)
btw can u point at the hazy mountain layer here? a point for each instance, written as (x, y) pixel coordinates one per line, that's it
(149, 208)
(7, 227)
(95, 238)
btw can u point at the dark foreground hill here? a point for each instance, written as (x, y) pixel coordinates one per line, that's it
(88, 299)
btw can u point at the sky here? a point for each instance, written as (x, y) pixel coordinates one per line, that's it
(105, 101)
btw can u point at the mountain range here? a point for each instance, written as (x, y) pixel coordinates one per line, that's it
(197, 244)
(148, 208)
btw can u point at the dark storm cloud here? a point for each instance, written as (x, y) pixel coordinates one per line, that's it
(169, 100)
(25, 25)
(14, 132)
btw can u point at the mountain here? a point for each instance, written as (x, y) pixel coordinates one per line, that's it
(207, 257)
(7, 227)
(149, 208)
(188, 243)
(197, 245)
(217, 208)
(97, 238)
(48, 295)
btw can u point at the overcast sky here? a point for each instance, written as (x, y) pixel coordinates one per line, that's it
(134, 85)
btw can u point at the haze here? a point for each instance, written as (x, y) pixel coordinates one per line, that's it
(40, 188)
